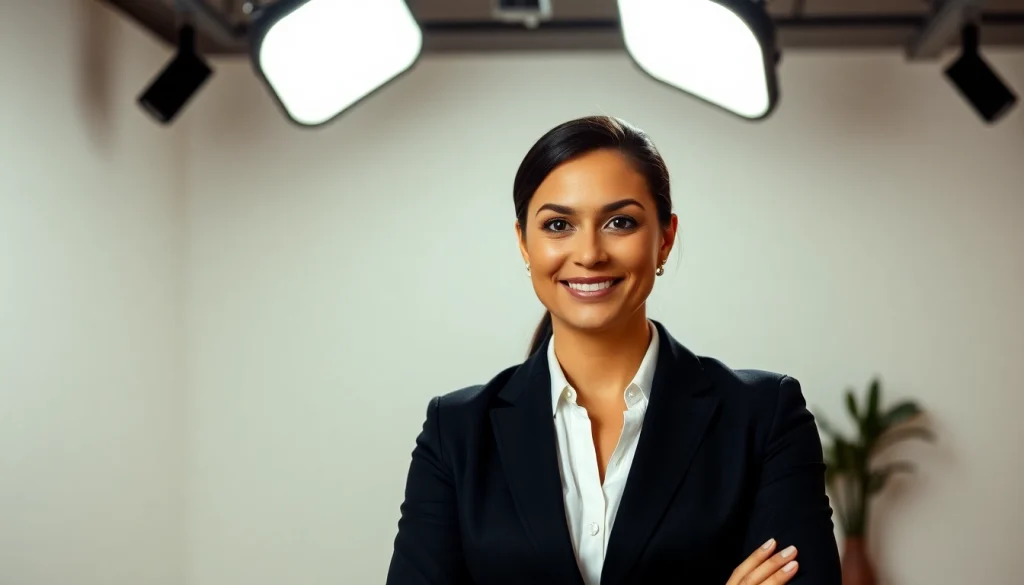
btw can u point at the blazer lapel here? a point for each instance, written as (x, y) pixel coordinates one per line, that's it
(525, 436)
(676, 420)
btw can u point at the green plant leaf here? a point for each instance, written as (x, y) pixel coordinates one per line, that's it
(871, 415)
(840, 456)
(851, 406)
(898, 435)
(848, 459)
(851, 479)
(874, 397)
(879, 477)
(900, 413)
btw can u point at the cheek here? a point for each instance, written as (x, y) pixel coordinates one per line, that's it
(546, 255)
(637, 255)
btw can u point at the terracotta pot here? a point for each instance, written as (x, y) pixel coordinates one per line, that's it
(857, 567)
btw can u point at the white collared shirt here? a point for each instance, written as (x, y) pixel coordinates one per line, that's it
(590, 507)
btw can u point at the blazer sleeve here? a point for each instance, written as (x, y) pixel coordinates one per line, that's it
(790, 503)
(428, 548)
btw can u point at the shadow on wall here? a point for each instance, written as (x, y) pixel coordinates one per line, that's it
(239, 107)
(95, 51)
(875, 107)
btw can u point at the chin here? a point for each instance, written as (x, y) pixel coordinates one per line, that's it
(590, 320)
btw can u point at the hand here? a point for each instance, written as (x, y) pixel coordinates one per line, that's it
(764, 568)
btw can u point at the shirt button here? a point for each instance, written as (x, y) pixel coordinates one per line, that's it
(594, 529)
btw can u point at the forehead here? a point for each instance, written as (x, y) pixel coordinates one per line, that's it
(591, 180)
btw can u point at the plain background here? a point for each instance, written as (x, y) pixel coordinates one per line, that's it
(218, 339)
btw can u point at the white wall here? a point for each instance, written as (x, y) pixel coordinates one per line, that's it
(339, 278)
(90, 308)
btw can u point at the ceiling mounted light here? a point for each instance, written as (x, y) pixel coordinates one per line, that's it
(175, 85)
(320, 57)
(721, 51)
(977, 82)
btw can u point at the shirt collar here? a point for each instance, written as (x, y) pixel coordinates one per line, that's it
(642, 380)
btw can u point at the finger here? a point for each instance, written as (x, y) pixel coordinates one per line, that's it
(762, 574)
(750, 563)
(783, 575)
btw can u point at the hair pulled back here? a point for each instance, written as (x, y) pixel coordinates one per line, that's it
(575, 138)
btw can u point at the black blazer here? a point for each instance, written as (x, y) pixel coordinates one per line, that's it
(726, 460)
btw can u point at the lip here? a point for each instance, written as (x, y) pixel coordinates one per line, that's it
(591, 279)
(595, 294)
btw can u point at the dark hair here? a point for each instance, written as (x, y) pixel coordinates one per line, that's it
(573, 139)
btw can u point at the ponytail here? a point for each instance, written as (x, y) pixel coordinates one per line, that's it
(542, 334)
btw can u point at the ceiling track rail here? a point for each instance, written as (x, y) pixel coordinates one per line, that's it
(221, 35)
(783, 22)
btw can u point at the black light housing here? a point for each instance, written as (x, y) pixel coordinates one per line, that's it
(320, 58)
(173, 87)
(723, 52)
(977, 82)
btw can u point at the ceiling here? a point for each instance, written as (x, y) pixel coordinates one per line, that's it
(469, 25)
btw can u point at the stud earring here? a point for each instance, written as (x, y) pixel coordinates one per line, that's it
(660, 270)
(527, 268)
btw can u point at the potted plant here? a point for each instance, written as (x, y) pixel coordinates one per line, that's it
(853, 477)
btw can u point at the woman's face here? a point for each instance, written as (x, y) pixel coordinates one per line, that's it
(593, 241)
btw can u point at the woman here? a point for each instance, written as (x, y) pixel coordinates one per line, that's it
(613, 454)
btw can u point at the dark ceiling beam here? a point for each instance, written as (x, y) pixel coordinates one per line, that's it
(810, 31)
(829, 32)
(161, 20)
(941, 28)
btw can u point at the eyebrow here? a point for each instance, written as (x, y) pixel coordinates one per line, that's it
(613, 206)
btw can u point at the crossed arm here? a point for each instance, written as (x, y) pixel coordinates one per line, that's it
(791, 505)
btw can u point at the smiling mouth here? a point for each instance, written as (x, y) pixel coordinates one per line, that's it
(591, 288)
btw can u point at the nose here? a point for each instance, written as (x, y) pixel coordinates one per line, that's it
(590, 249)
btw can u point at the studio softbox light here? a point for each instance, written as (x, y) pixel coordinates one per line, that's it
(721, 51)
(321, 57)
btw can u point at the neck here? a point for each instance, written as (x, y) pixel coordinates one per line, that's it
(600, 365)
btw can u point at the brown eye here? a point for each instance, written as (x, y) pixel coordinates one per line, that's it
(622, 222)
(556, 225)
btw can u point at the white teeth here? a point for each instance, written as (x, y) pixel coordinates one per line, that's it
(591, 287)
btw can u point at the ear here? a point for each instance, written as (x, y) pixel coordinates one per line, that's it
(521, 238)
(668, 237)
